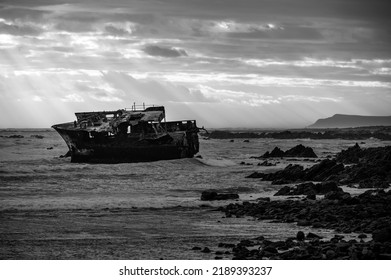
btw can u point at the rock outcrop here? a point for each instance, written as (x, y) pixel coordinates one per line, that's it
(297, 151)
(369, 168)
(212, 195)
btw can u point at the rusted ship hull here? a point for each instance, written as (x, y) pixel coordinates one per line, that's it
(111, 142)
(114, 150)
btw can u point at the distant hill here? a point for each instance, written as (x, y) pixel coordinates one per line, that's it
(343, 121)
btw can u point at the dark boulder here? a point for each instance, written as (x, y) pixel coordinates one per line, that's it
(350, 155)
(277, 152)
(309, 189)
(256, 175)
(286, 190)
(297, 151)
(326, 187)
(337, 195)
(300, 236)
(323, 170)
(382, 235)
(301, 151)
(270, 249)
(36, 136)
(290, 173)
(371, 167)
(206, 250)
(311, 235)
(212, 195)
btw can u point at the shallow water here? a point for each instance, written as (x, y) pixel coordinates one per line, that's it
(51, 208)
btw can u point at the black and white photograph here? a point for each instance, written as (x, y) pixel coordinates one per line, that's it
(195, 130)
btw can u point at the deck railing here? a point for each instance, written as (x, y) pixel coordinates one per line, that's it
(141, 107)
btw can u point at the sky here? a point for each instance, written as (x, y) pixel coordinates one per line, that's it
(225, 63)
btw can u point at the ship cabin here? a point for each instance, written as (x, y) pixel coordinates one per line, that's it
(147, 122)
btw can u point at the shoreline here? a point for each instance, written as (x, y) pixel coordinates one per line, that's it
(325, 205)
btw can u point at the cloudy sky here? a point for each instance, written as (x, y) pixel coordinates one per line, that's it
(226, 63)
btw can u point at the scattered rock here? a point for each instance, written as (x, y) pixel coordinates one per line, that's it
(366, 213)
(206, 250)
(267, 199)
(339, 195)
(330, 254)
(68, 154)
(36, 136)
(382, 235)
(226, 245)
(300, 236)
(297, 151)
(311, 235)
(270, 249)
(212, 195)
(310, 189)
(371, 169)
(312, 249)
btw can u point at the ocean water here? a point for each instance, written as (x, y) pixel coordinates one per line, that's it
(53, 209)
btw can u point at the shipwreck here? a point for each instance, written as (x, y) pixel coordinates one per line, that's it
(128, 135)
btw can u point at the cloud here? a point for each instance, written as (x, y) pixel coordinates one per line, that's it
(99, 90)
(11, 12)
(72, 98)
(316, 99)
(256, 99)
(117, 31)
(152, 90)
(103, 96)
(162, 51)
(284, 56)
(282, 33)
(19, 29)
(263, 80)
(37, 98)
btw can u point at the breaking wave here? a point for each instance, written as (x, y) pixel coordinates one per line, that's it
(216, 162)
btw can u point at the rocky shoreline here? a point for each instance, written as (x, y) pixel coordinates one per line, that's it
(324, 205)
(366, 214)
(359, 133)
(369, 168)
